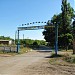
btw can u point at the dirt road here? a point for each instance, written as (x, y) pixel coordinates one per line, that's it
(33, 63)
(16, 65)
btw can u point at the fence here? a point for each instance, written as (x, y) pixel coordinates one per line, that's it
(8, 48)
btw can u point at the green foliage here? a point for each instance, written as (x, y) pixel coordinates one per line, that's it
(63, 20)
(24, 50)
(65, 40)
(28, 42)
(35, 43)
(42, 42)
(5, 38)
(62, 59)
(74, 29)
(49, 33)
(67, 15)
(70, 59)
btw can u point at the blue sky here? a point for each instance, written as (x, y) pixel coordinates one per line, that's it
(14, 13)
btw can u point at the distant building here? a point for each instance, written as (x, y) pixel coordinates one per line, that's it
(6, 42)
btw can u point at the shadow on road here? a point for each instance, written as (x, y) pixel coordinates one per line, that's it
(43, 49)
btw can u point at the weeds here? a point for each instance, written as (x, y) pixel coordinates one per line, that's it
(70, 59)
(62, 59)
(24, 50)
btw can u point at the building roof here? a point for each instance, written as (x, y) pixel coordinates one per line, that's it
(5, 40)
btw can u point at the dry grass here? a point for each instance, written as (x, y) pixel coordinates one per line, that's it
(63, 58)
(25, 50)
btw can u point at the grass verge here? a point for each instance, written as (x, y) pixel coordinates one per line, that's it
(62, 59)
(25, 50)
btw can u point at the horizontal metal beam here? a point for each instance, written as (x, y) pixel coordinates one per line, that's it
(33, 27)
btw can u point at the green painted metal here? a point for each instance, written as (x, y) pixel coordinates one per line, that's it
(56, 39)
(36, 28)
(18, 44)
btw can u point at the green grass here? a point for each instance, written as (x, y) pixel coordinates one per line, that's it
(70, 58)
(62, 59)
(8, 53)
(25, 50)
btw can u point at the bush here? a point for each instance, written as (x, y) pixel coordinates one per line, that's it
(70, 59)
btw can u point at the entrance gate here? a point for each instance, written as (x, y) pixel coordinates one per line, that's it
(36, 28)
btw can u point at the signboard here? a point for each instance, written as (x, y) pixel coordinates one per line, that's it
(31, 28)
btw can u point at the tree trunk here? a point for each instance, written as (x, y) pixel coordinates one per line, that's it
(74, 46)
(66, 47)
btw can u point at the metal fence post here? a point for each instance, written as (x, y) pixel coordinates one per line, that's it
(18, 44)
(56, 39)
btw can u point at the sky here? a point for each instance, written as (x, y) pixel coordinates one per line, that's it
(14, 13)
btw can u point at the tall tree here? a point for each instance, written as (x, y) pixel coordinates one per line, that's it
(67, 15)
(63, 20)
(49, 33)
(74, 37)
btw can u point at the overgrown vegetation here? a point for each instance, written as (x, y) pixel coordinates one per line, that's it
(64, 21)
(70, 59)
(26, 45)
(24, 50)
(30, 42)
(5, 38)
(62, 59)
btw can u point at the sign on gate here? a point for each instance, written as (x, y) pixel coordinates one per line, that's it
(31, 28)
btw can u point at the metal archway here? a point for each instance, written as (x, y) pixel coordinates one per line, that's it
(21, 28)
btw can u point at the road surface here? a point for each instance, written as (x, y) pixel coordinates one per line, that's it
(15, 65)
(34, 63)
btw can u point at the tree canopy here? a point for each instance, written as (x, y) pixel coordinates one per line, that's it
(5, 38)
(63, 20)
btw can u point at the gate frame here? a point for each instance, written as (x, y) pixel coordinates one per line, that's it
(39, 27)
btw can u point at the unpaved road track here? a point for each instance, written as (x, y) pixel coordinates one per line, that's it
(18, 65)
(33, 63)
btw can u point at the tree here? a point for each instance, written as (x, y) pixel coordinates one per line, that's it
(73, 37)
(49, 33)
(5, 38)
(74, 29)
(67, 15)
(42, 42)
(63, 20)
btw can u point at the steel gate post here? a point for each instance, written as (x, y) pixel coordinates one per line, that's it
(18, 44)
(56, 39)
